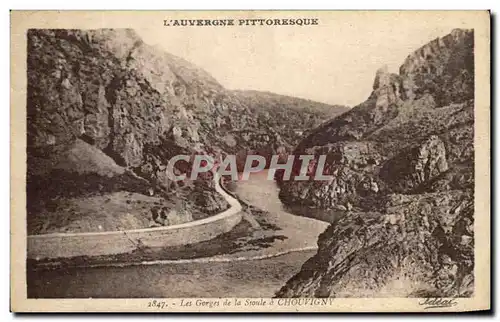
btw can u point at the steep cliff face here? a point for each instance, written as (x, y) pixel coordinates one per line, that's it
(107, 92)
(443, 67)
(402, 166)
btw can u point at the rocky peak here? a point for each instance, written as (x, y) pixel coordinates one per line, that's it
(443, 67)
(387, 88)
(382, 78)
(440, 49)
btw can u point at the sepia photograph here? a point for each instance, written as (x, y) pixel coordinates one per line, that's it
(250, 161)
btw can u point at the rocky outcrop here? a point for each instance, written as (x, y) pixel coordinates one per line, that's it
(402, 166)
(418, 246)
(420, 165)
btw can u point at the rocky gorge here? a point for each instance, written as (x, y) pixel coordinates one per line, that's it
(106, 112)
(403, 184)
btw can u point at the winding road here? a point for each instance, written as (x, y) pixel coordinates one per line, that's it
(254, 273)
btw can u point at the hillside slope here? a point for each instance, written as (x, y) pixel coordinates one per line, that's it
(403, 183)
(106, 93)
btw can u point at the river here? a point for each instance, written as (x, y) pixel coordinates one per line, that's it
(247, 278)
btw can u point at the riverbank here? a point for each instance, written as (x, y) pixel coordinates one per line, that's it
(227, 246)
(253, 260)
(260, 278)
(262, 233)
(301, 231)
(87, 245)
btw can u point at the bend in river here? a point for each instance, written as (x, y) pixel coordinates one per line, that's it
(242, 278)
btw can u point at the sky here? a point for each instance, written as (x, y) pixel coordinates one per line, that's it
(334, 62)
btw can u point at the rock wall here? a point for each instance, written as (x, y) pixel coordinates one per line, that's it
(395, 141)
(403, 168)
(420, 246)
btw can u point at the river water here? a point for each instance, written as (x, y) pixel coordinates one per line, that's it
(252, 278)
